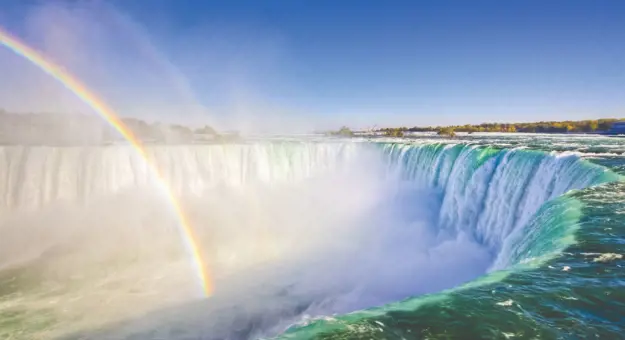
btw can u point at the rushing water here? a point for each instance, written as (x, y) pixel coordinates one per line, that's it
(486, 236)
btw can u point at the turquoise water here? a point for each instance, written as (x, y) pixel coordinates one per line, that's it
(562, 275)
(548, 212)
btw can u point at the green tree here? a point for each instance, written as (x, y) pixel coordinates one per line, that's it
(345, 132)
(604, 125)
(395, 132)
(447, 131)
(206, 130)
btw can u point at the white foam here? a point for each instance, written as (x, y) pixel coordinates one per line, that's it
(607, 257)
(506, 303)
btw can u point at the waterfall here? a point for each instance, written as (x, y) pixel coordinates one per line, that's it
(31, 177)
(279, 223)
(486, 193)
(492, 193)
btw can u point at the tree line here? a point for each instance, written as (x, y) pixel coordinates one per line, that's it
(21, 127)
(538, 127)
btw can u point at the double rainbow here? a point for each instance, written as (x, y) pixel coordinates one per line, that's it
(88, 97)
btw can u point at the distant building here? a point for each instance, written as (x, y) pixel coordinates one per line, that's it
(618, 128)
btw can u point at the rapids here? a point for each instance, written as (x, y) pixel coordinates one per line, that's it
(292, 230)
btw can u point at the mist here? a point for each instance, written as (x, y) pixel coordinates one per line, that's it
(329, 231)
(215, 74)
(288, 233)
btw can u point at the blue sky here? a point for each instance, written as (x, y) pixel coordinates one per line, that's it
(326, 63)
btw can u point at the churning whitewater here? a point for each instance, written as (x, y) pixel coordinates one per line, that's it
(296, 233)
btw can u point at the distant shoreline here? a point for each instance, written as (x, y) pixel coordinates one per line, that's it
(462, 133)
(593, 126)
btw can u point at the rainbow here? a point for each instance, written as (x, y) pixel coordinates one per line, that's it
(88, 97)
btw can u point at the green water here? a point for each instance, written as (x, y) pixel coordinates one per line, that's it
(574, 293)
(558, 273)
(548, 302)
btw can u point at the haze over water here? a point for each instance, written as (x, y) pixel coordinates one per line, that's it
(281, 221)
(307, 235)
